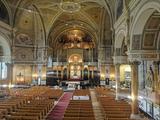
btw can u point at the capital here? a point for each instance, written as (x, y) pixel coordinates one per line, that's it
(156, 62)
(135, 63)
(117, 64)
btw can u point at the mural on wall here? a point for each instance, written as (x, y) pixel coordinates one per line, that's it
(23, 39)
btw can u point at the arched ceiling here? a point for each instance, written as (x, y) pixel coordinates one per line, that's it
(151, 33)
(59, 13)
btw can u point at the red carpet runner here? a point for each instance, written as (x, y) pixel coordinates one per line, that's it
(59, 109)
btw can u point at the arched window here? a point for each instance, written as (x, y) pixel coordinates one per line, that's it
(1, 51)
(3, 67)
(4, 16)
(3, 70)
(119, 9)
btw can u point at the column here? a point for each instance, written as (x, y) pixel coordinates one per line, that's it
(93, 74)
(83, 73)
(134, 89)
(9, 72)
(8, 79)
(117, 77)
(155, 81)
(68, 71)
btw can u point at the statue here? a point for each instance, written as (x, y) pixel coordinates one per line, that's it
(149, 78)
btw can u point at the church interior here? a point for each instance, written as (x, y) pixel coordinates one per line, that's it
(79, 59)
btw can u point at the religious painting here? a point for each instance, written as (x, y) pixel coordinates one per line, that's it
(75, 72)
(23, 39)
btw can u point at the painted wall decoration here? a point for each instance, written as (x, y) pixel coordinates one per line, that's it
(149, 41)
(23, 39)
(136, 42)
(23, 54)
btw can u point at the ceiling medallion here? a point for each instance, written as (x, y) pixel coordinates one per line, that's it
(70, 7)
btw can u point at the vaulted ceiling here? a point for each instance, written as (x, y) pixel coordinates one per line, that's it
(55, 16)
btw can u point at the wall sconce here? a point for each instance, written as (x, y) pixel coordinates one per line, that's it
(102, 77)
(112, 76)
(35, 76)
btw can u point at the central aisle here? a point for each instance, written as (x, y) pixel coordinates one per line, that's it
(58, 111)
(96, 106)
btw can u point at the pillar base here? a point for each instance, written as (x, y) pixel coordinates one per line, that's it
(117, 98)
(135, 116)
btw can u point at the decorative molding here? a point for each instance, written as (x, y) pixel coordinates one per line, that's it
(136, 43)
(22, 54)
(143, 55)
(149, 40)
(6, 59)
(23, 40)
(120, 60)
(70, 6)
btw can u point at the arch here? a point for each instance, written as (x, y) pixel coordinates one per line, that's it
(144, 11)
(75, 58)
(22, 8)
(42, 21)
(5, 48)
(94, 40)
(119, 8)
(120, 38)
(91, 27)
(4, 12)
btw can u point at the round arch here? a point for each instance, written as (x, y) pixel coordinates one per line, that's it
(7, 12)
(144, 11)
(5, 48)
(120, 38)
(75, 58)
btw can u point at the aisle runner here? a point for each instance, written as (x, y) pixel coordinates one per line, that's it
(58, 111)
